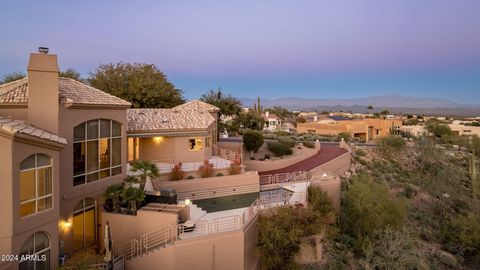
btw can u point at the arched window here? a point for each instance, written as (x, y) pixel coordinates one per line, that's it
(96, 150)
(84, 224)
(35, 252)
(35, 184)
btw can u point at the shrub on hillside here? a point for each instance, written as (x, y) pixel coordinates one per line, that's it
(287, 141)
(309, 144)
(279, 149)
(319, 201)
(391, 143)
(177, 172)
(368, 206)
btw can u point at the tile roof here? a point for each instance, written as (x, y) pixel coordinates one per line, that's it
(168, 119)
(70, 92)
(16, 126)
(198, 105)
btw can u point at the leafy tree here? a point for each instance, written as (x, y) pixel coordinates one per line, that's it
(370, 107)
(301, 119)
(251, 120)
(70, 73)
(10, 77)
(437, 128)
(252, 140)
(227, 104)
(319, 201)
(279, 111)
(144, 85)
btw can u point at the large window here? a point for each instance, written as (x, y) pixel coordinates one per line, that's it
(133, 149)
(37, 248)
(35, 184)
(96, 150)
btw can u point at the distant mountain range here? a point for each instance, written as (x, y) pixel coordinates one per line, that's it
(394, 103)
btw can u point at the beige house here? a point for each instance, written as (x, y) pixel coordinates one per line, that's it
(63, 142)
(272, 121)
(366, 129)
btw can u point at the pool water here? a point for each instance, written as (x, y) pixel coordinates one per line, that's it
(211, 205)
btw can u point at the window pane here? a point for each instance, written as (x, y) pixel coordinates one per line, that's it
(41, 241)
(137, 148)
(89, 202)
(130, 149)
(45, 203)
(28, 163)
(104, 153)
(116, 130)
(198, 145)
(92, 129)
(79, 133)
(92, 177)
(77, 231)
(104, 173)
(78, 158)
(79, 180)
(104, 128)
(27, 185)
(92, 156)
(27, 265)
(117, 170)
(89, 230)
(27, 247)
(27, 209)
(43, 160)
(116, 151)
(40, 264)
(44, 182)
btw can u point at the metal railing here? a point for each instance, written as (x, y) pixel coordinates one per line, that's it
(294, 177)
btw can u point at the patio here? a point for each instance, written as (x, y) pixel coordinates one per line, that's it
(166, 167)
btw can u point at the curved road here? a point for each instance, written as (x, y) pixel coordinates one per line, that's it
(327, 153)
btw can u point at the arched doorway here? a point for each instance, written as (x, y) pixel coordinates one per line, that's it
(84, 224)
(38, 246)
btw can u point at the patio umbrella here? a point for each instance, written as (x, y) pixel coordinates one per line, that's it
(108, 244)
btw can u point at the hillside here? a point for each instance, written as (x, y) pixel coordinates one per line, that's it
(407, 208)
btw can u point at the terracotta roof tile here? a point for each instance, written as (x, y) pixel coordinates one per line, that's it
(16, 126)
(168, 119)
(70, 92)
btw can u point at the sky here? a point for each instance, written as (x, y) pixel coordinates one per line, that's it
(266, 48)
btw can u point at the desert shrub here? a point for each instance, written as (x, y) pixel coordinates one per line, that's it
(392, 249)
(319, 201)
(360, 152)
(308, 144)
(368, 206)
(220, 174)
(287, 141)
(177, 172)
(281, 133)
(280, 232)
(235, 168)
(390, 144)
(206, 170)
(190, 177)
(463, 235)
(343, 135)
(252, 140)
(270, 136)
(279, 149)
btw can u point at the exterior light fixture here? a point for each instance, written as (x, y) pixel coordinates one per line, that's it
(67, 224)
(188, 202)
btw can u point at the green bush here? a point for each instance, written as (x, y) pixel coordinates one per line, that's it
(287, 141)
(309, 144)
(369, 206)
(319, 201)
(360, 153)
(252, 140)
(279, 149)
(391, 143)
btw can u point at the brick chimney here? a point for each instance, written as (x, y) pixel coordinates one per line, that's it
(43, 99)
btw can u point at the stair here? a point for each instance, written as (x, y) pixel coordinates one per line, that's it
(196, 212)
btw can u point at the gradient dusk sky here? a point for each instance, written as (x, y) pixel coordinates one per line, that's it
(267, 48)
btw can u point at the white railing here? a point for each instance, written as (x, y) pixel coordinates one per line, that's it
(295, 177)
(230, 155)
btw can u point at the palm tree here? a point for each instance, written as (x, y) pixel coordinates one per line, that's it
(114, 192)
(147, 168)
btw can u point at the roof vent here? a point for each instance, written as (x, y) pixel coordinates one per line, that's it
(43, 50)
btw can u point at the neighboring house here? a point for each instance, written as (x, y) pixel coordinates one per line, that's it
(457, 129)
(365, 129)
(63, 142)
(272, 121)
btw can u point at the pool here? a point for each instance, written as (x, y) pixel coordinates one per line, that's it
(217, 204)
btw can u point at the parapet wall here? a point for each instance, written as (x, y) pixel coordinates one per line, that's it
(338, 165)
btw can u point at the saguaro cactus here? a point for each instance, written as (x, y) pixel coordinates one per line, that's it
(473, 174)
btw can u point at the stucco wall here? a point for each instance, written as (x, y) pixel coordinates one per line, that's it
(219, 251)
(172, 150)
(213, 186)
(125, 228)
(274, 164)
(338, 165)
(15, 112)
(333, 189)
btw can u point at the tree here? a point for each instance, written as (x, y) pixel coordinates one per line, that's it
(70, 73)
(437, 128)
(144, 85)
(252, 140)
(251, 120)
(227, 104)
(370, 107)
(147, 169)
(10, 77)
(301, 119)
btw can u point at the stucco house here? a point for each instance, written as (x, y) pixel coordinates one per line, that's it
(272, 121)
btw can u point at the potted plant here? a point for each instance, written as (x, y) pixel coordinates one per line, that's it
(133, 196)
